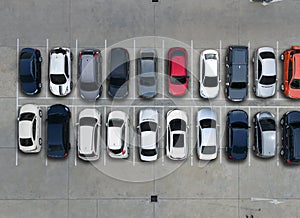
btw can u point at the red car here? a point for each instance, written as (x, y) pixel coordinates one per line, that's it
(291, 72)
(177, 68)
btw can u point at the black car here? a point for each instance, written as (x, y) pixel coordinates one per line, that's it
(30, 71)
(58, 131)
(237, 135)
(290, 124)
(119, 73)
(237, 73)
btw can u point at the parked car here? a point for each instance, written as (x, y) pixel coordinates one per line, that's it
(290, 124)
(177, 69)
(119, 73)
(177, 148)
(30, 71)
(209, 74)
(58, 131)
(90, 74)
(291, 72)
(264, 135)
(89, 133)
(148, 131)
(147, 68)
(30, 128)
(207, 134)
(237, 135)
(60, 71)
(265, 72)
(237, 73)
(118, 134)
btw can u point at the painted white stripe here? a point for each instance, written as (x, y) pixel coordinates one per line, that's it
(162, 131)
(105, 148)
(163, 68)
(17, 95)
(250, 96)
(134, 71)
(220, 135)
(278, 137)
(192, 135)
(249, 142)
(47, 58)
(105, 66)
(75, 135)
(133, 127)
(192, 68)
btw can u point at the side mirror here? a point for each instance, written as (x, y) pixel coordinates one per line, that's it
(227, 84)
(227, 65)
(106, 124)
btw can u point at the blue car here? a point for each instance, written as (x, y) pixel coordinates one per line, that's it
(58, 131)
(30, 71)
(237, 135)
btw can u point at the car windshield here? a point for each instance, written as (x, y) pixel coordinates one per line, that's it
(55, 147)
(117, 81)
(147, 81)
(207, 123)
(266, 54)
(210, 81)
(239, 85)
(27, 116)
(240, 150)
(178, 140)
(26, 55)
(148, 152)
(210, 56)
(267, 80)
(148, 126)
(178, 80)
(177, 124)
(115, 123)
(267, 124)
(239, 125)
(87, 121)
(295, 84)
(208, 150)
(58, 79)
(55, 118)
(26, 142)
(89, 86)
(26, 78)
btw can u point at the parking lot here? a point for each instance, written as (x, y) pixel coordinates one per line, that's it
(35, 186)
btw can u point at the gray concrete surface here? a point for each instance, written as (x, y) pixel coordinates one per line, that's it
(34, 186)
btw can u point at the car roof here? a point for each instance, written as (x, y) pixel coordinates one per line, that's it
(293, 117)
(88, 67)
(118, 60)
(239, 54)
(178, 66)
(268, 143)
(57, 65)
(147, 67)
(268, 67)
(297, 66)
(296, 144)
(239, 73)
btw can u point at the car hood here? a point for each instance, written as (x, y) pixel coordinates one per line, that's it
(30, 87)
(266, 90)
(269, 143)
(148, 140)
(118, 92)
(85, 139)
(237, 94)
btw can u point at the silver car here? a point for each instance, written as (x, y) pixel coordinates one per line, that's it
(264, 72)
(89, 74)
(147, 68)
(264, 135)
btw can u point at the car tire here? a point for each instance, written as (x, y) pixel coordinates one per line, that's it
(282, 57)
(40, 113)
(40, 141)
(40, 85)
(40, 59)
(281, 152)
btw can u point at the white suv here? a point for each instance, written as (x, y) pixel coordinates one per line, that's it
(30, 128)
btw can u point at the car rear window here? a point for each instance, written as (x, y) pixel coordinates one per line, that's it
(148, 152)
(236, 85)
(26, 116)
(26, 55)
(295, 84)
(178, 140)
(148, 126)
(178, 80)
(267, 80)
(55, 148)
(58, 79)
(115, 123)
(177, 124)
(264, 55)
(208, 149)
(207, 123)
(26, 142)
(210, 81)
(267, 125)
(87, 121)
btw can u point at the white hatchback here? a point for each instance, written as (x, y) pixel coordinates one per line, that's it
(89, 133)
(176, 135)
(118, 134)
(60, 71)
(209, 74)
(30, 128)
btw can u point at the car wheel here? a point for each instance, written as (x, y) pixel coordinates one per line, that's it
(282, 87)
(40, 59)
(281, 152)
(282, 57)
(40, 141)
(40, 113)
(40, 85)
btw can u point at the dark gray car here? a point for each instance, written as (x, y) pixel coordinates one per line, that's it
(237, 73)
(90, 74)
(147, 68)
(119, 73)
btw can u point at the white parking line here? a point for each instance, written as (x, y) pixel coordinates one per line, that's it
(47, 58)
(249, 145)
(278, 137)
(220, 138)
(17, 96)
(104, 150)
(75, 135)
(105, 65)
(192, 135)
(250, 96)
(134, 57)
(277, 67)
(162, 131)
(133, 146)
(163, 68)
(192, 68)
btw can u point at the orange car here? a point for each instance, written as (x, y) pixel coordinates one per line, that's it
(291, 72)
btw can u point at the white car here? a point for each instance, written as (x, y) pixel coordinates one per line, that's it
(148, 130)
(265, 73)
(176, 135)
(30, 128)
(118, 134)
(209, 74)
(207, 134)
(89, 133)
(60, 71)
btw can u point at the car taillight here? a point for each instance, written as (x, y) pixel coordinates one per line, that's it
(78, 153)
(230, 157)
(65, 154)
(96, 54)
(80, 54)
(289, 161)
(123, 152)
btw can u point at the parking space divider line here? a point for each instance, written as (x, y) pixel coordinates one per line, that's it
(220, 138)
(17, 97)
(192, 135)
(250, 96)
(163, 68)
(134, 70)
(104, 149)
(162, 131)
(192, 68)
(47, 58)
(134, 134)
(105, 66)
(249, 144)
(278, 138)
(75, 136)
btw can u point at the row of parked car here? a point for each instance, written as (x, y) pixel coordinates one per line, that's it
(118, 140)
(89, 76)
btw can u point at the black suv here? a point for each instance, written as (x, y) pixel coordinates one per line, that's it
(237, 73)
(30, 71)
(290, 124)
